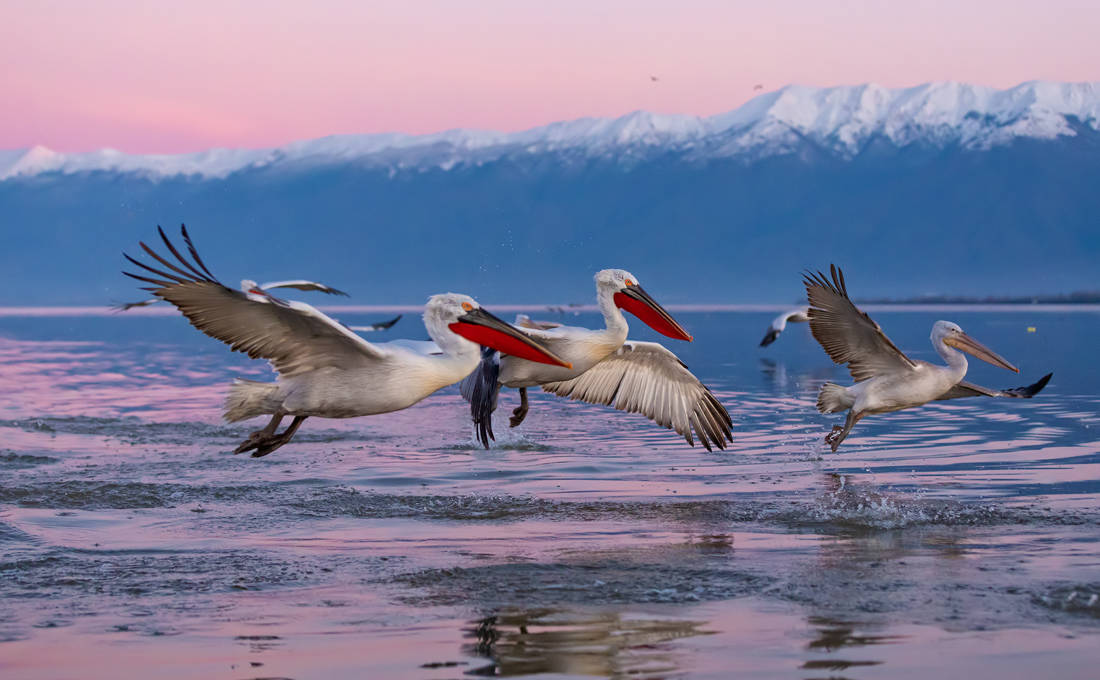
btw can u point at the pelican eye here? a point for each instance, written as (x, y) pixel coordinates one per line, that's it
(467, 306)
(629, 282)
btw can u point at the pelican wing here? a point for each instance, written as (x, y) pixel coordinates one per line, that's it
(481, 388)
(302, 284)
(646, 378)
(965, 389)
(848, 335)
(293, 336)
(124, 306)
(378, 325)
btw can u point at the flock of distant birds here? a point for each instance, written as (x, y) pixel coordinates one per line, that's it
(325, 369)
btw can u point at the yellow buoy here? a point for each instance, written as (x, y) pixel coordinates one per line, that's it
(1031, 329)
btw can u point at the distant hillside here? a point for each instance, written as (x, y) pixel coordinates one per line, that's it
(948, 191)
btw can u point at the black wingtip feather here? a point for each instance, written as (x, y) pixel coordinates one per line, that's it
(194, 252)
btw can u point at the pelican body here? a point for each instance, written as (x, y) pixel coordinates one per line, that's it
(324, 369)
(606, 368)
(886, 379)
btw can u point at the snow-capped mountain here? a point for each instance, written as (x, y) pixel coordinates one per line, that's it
(839, 120)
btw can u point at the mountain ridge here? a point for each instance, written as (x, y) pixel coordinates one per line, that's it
(840, 120)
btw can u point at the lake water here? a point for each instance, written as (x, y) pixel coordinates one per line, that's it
(961, 539)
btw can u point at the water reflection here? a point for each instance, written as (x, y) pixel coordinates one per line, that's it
(604, 644)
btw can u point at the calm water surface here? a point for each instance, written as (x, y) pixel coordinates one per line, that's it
(957, 540)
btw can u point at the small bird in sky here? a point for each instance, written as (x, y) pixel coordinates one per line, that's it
(654, 78)
(758, 86)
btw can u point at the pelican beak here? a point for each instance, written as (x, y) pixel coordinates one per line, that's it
(478, 325)
(635, 300)
(971, 346)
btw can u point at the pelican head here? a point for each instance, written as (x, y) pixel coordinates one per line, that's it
(629, 295)
(250, 286)
(463, 316)
(951, 334)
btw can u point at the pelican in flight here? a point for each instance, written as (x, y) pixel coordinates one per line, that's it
(250, 286)
(524, 321)
(608, 369)
(780, 322)
(377, 326)
(323, 368)
(886, 379)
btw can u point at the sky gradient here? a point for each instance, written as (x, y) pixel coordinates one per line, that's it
(174, 77)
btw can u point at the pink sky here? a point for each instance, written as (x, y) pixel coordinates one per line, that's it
(183, 76)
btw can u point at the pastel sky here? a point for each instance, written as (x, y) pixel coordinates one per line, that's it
(183, 76)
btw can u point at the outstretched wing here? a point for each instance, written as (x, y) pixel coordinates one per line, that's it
(293, 336)
(646, 378)
(302, 284)
(378, 325)
(965, 389)
(848, 335)
(124, 306)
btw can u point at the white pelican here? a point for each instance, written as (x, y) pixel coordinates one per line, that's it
(377, 326)
(638, 377)
(886, 379)
(799, 315)
(250, 286)
(323, 368)
(524, 321)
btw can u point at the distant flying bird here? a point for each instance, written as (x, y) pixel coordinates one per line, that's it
(250, 286)
(780, 322)
(654, 78)
(886, 379)
(323, 368)
(379, 326)
(757, 87)
(524, 321)
(608, 369)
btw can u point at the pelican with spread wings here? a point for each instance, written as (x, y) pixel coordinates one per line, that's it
(324, 369)
(608, 369)
(886, 379)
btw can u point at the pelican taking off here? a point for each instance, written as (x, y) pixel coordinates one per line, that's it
(886, 379)
(323, 368)
(800, 315)
(638, 377)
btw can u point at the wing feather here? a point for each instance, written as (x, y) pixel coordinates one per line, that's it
(848, 335)
(293, 336)
(965, 389)
(646, 378)
(302, 284)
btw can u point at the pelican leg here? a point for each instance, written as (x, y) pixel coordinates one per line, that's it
(259, 436)
(520, 412)
(278, 440)
(839, 433)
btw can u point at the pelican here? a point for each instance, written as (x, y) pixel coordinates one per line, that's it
(377, 326)
(250, 286)
(780, 322)
(323, 368)
(524, 321)
(608, 369)
(886, 379)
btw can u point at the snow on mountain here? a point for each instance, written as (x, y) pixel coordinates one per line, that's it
(839, 119)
